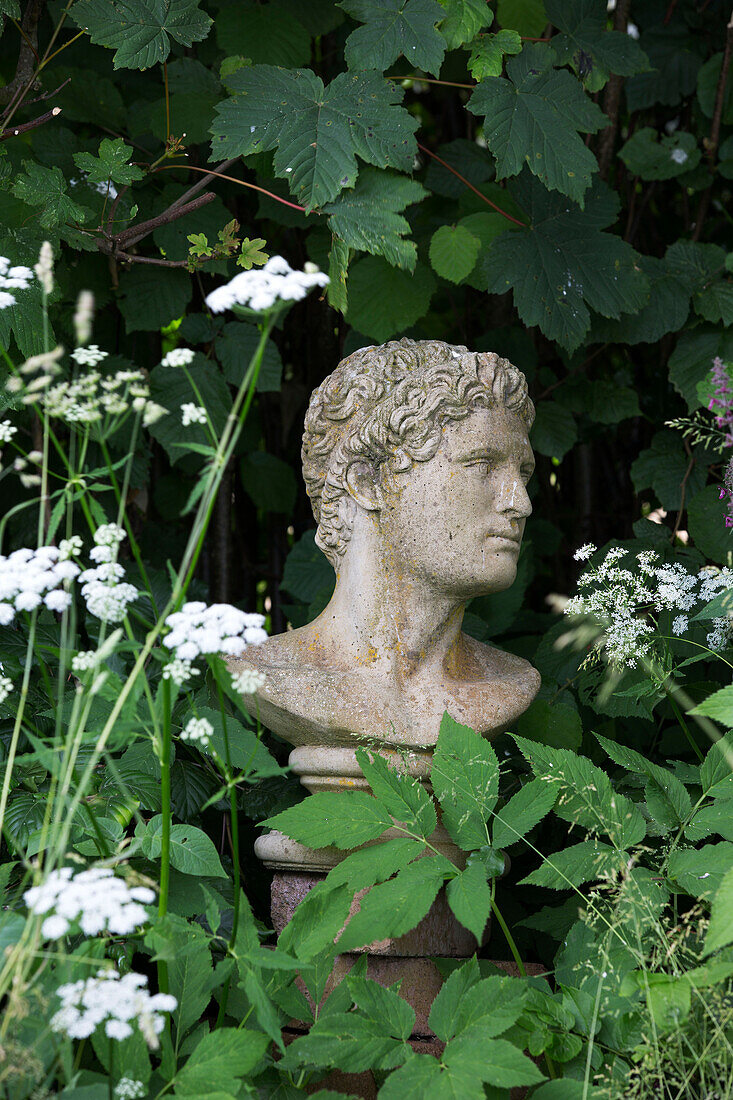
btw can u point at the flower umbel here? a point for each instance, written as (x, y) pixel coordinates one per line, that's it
(260, 290)
(197, 630)
(120, 1003)
(94, 899)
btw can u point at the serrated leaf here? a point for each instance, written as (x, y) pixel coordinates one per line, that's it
(563, 264)
(391, 28)
(585, 862)
(585, 794)
(522, 812)
(716, 770)
(691, 360)
(316, 132)
(453, 252)
(347, 1040)
(317, 921)
(487, 54)
(664, 467)
(369, 217)
(152, 299)
(584, 40)
(527, 17)
(490, 1007)
(670, 792)
(675, 58)
(465, 777)
(46, 188)
(554, 431)
(715, 303)
(534, 117)
(402, 796)
(343, 820)
(719, 706)
(700, 871)
(716, 818)
(220, 1060)
(191, 851)
(384, 301)
(462, 21)
(495, 1061)
(140, 31)
(382, 1006)
(395, 907)
(443, 1017)
(706, 524)
(191, 976)
(720, 929)
(262, 33)
(113, 163)
(652, 157)
(666, 311)
(469, 897)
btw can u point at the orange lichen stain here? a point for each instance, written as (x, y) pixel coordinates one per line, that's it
(347, 782)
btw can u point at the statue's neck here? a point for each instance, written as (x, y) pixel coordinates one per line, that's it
(382, 618)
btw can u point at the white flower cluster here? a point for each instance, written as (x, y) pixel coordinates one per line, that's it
(248, 681)
(196, 630)
(31, 577)
(95, 899)
(92, 396)
(192, 414)
(118, 1002)
(85, 660)
(178, 357)
(107, 596)
(6, 686)
(12, 278)
(129, 1088)
(198, 730)
(180, 672)
(89, 356)
(620, 600)
(7, 431)
(259, 290)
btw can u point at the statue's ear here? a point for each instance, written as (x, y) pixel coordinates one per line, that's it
(363, 485)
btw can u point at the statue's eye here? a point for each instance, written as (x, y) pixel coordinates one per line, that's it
(482, 465)
(527, 472)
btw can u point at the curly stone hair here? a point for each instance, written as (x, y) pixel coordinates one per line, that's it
(388, 405)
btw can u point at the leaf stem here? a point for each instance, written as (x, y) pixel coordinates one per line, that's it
(165, 809)
(470, 186)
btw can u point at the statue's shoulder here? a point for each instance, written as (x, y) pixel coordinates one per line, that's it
(297, 651)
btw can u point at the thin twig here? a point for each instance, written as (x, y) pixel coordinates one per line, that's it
(714, 139)
(471, 187)
(200, 184)
(15, 131)
(127, 257)
(48, 95)
(575, 370)
(135, 233)
(425, 80)
(683, 488)
(612, 99)
(242, 183)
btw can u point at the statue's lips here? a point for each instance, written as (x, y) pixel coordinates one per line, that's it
(505, 542)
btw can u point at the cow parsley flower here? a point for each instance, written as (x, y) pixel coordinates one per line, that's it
(198, 730)
(12, 278)
(197, 630)
(7, 431)
(94, 899)
(584, 552)
(29, 578)
(120, 1003)
(89, 356)
(6, 686)
(680, 624)
(107, 596)
(129, 1088)
(248, 680)
(180, 672)
(178, 357)
(192, 414)
(259, 290)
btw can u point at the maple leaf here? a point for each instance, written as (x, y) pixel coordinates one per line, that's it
(140, 31)
(394, 27)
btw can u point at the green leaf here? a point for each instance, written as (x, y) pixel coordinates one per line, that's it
(692, 359)
(382, 1007)
(235, 346)
(675, 59)
(171, 388)
(700, 871)
(46, 187)
(719, 706)
(554, 431)
(465, 777)
(338, 268)
(652, 158)
(522, 812)
(384, 301)
(469, 897)
(716, 818)
(220, 1060)
(552, 722)
(669, 790)
(715, 303)
(534, 119)
(369, 217)
(11, 8)
(487, 53)
(153, 297)
(269, 481)
(564, 264)
(111, 164)
(307, 570)
(347, 1040)
(268, 34)
(584, 41)
(421, 1078)
(664, 467)
(345, 820)
(443, 1017)
(395, 907)
(317, 921)
(706, 524)
(191, 851)
(453, 252)
(463, 20)
(316, 132)
(720, 929)
(404, 797)
(140, 31)
(585, 862)
(527, 17)
(191, 977)
(251, 254)
(666, 311)
(374, 864)
(392, 28)
(716, 770)
(585, 794)
(494, 1061)
(708, 80)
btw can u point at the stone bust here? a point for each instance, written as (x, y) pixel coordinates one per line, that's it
(416, 458)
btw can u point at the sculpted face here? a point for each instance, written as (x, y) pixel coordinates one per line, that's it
(457, 520)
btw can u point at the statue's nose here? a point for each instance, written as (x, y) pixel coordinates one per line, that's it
(514, 497)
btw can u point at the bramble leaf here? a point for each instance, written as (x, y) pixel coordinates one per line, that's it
(140, 31)
(111, 164)
(383, 300)
(395, 907)
(316, 132)
(533, 119)
(522, 812)
(465, 777)
(391, 28)
(369, 217)
(402, 796)
(46, 188)
(668, 792)
(463, 20)
(654, 158)
(716, 770)
(720, 930)
(343, 820)
(469, 896)
(575, 865)
(487, 53)
(584, 40)
(563, 263)
(219, 1061)
(453, 252)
